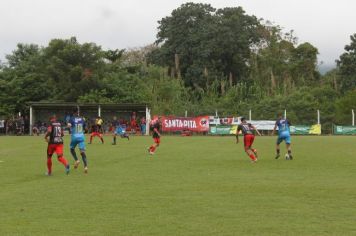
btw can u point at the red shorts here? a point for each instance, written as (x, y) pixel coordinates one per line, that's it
(248, 140)
(157, 140)
(55, 148)
(96, 134)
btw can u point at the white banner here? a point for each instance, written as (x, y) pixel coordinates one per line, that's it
(263, 124)
(2, 124)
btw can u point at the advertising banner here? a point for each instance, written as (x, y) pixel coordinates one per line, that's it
(223, 130)
(345, 130)
(194, 124)
(306, 129)
(263, 124)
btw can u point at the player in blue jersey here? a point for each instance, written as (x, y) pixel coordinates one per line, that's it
(283, 135)
(119, 129)
(77, 126)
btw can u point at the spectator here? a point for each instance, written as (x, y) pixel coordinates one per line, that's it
(143, 125)
(27, 125)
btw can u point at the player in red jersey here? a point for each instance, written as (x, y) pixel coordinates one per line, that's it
(95, 131)
(54, 138)
(249, 136)
(156, 129)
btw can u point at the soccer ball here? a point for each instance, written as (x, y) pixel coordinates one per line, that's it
(287, 157)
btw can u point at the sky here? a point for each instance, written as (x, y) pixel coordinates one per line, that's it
(112, 24)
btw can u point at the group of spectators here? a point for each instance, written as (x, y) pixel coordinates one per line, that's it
(15, 126)
(131, 126)
(21, 125)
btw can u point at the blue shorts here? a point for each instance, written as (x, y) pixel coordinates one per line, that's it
(285, 138)
(79, 142)
(119, 131)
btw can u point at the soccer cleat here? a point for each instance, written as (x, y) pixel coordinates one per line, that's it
(151, 153)
(67, 169)
(113, 143)
(76, 164)
(277, 156)
(89, 143)
(254, 161)
(290, 157)
(48, 174)
(86, 170)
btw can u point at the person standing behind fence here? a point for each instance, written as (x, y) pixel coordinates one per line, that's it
(143, 125)
(77, 126)
(283, 135)
(249, 136)
(54, 138)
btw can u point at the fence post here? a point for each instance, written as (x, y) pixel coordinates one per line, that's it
(186, 113)
(250, 115)
(285, 114)
(318, 117)
(148, 120)
(31, 120)
(353, 117)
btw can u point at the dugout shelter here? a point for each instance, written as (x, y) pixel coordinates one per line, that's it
(41, 111)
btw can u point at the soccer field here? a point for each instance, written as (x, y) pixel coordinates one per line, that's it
(191, 186)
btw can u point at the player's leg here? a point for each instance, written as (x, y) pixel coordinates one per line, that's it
(157, 142)
(91, 137)
(289, 148)
(114, 138)
(60, 157)
(125, 135)
(278, 150)
(73, 144)
(248, 140)
(101, 137)
(81, 146)
(50, 151)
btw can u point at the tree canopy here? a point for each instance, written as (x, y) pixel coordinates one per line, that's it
(204, 59)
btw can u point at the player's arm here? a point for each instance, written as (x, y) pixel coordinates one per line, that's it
(258, 132)
(274, 128)
(48, 133)
(157, 132)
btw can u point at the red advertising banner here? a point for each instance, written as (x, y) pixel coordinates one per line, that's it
(194, 124)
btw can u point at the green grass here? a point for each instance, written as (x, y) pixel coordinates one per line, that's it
(191, 186)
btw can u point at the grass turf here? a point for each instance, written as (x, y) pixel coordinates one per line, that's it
(191, 186)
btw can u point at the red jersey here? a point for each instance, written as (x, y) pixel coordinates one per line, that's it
(56, 133)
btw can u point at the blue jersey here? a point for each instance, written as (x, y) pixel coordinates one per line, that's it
(78, 126)
(283, 127)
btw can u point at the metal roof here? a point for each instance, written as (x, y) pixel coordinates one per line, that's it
(49, 105)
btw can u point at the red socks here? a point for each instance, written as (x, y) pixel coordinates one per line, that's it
(63, 161)
(252, 157)
(152, 148)
(49, 165)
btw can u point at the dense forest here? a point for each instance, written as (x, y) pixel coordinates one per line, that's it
(204, 59)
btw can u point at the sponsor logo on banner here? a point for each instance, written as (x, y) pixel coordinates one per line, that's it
(194, 124)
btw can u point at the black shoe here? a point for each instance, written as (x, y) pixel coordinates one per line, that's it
(277, 156)
(290, 157)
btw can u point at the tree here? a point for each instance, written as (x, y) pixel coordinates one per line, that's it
(347, 66)
(202, 44)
